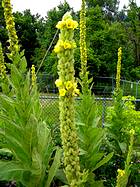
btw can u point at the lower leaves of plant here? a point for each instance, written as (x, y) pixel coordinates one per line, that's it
(91, 136)
(123, 175)
(27, 136)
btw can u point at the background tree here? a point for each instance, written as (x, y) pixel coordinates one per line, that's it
(107, 30)
(53, 16)
(28, 26)
(132, 26)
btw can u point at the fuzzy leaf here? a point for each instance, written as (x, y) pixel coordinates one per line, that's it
(12, 170)
(54, 167)
(103, 161)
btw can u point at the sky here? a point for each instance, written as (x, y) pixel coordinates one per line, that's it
(42, 6)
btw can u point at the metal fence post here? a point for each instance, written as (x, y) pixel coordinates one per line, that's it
(137, 83)
(103, 111)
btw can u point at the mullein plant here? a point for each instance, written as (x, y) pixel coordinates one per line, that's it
(67, 90)
(27, 137)
(122, 117)
(90, 133)
(115, 118)
(123, 175)
(83, 51)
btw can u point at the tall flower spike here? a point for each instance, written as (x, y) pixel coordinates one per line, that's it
(33, 75)
(83, 50)
(67, 88)
(2, 64)
(118, 69)
(10, 26)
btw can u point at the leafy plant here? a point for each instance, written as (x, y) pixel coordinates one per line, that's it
(27, 136)
(91, 136)
(123, 175)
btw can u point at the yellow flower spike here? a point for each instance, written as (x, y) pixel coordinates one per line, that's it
(33, 75)
(2, 64)
(58, 83)
(66, 101)
(118, 76)
(83, 50)
(62, 92)
(10, 26)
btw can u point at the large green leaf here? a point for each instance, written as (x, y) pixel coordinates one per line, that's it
(103, 161)
(54, 167)
(12, 170)
(60, 175)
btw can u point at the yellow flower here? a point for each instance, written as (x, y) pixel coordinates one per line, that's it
(58, 83)
(33, 75)
(75, 24)
(69, 85)
(132, 131)
(67, 45)
(121, 172)
(62, 92)
(77, 91)
(60, 25)
(70, 24)
(57, 48)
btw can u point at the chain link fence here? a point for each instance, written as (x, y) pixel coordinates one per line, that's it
(103, 88)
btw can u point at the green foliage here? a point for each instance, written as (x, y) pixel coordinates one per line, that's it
(109, 6)
(91, 136)
(107, 30)
(121, 118)
(133, 29)
(27, 136)
(28, 28)
(45, 38)
(123, 175)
